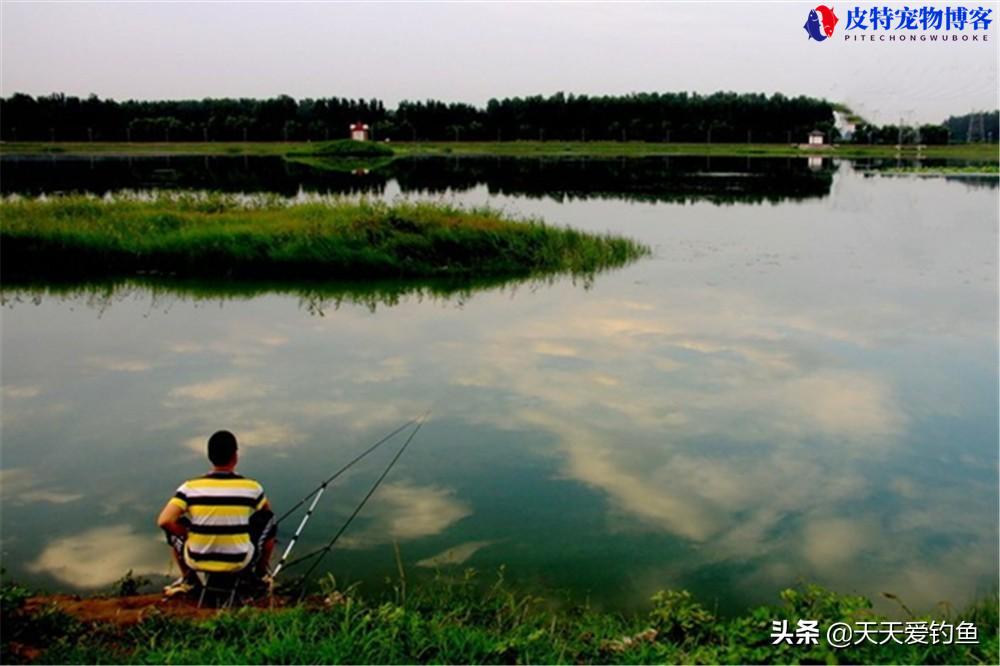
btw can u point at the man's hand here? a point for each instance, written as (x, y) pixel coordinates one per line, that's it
(170, 520)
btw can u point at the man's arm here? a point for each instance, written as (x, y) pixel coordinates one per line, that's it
(170, 519)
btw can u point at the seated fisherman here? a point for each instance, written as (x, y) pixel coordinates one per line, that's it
(220, 522)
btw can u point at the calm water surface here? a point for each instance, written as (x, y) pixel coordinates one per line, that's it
(800, 384)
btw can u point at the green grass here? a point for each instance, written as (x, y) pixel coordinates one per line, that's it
(984, 152)
(190, 235)
(344, 155)
(346, 148)
(458, 620)
(976, 152)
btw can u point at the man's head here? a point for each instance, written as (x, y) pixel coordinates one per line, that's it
(222, 448)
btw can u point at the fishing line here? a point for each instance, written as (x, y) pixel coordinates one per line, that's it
(320, 553)
(318, 493)
(343, 469)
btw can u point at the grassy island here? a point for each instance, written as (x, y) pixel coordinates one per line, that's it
(457, 620)
(267, 237)
(345, 148)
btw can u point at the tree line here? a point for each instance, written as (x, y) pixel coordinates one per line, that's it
(679, 117)
(978, 127)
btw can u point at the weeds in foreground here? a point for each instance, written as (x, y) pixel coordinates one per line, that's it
(129, 584)
(459, 620)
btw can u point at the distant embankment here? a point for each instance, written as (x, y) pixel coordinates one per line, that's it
(229, 236)
(307, 152)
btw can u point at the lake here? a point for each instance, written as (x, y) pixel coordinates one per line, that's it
(799, 385)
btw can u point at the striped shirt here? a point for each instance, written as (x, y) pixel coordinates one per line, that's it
(219, 506)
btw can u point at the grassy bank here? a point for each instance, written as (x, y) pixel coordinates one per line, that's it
(968, 170)
(459, 621)
(976, 152)
(266, 237)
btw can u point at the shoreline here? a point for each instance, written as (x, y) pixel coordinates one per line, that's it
(987, 153)
(460, 620)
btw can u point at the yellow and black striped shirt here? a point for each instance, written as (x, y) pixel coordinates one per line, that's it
(219, 506)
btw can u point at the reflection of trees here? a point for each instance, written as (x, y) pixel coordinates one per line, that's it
(976, 182)
(684, 178)
(950, 170)
(317, 298)
(100, 176)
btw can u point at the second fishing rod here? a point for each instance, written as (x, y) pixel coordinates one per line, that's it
(317, 493)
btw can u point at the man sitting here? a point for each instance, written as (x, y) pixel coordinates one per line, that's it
(220, 522)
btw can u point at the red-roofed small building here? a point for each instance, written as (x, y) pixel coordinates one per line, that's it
(359, 131)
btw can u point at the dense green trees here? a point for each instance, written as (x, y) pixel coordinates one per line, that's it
(720, 117)
(970, 128)
(973, 127)
(680, 117)
(62, 118)
(891, 135)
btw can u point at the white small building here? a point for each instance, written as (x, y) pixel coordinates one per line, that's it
(816, 138)
(359, 131)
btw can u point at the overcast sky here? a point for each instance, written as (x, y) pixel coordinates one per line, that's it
(472, 52)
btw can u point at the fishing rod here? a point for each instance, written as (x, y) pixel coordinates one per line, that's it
(319, 489)
(317, 493)
(320, 553)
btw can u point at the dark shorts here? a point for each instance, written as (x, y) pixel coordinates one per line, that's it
(262, 528)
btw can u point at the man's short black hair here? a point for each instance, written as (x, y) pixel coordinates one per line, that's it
(221, 447)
